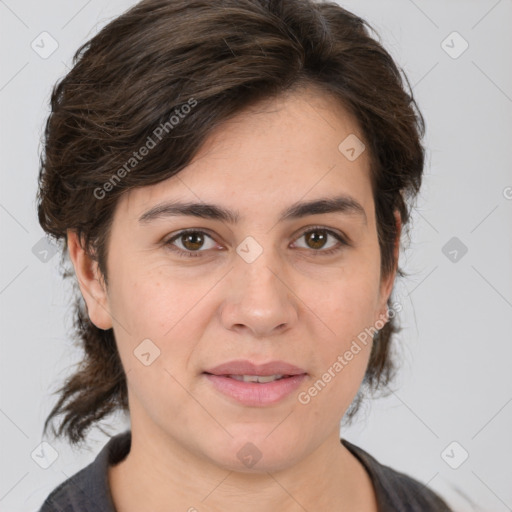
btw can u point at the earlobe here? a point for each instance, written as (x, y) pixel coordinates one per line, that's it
(91, 283)
(387, 285)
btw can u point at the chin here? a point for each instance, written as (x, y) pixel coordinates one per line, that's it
(258, 450)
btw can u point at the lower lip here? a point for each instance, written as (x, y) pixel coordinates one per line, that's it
(254, 393)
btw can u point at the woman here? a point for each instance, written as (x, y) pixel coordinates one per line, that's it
(230, 181)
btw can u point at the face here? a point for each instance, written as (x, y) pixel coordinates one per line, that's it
(289, 292)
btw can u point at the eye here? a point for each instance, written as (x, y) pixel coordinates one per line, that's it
(191, 240)
(317, 237)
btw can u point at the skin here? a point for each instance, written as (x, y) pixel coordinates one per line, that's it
(292, 303)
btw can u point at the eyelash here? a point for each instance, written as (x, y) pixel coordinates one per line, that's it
(195, 254)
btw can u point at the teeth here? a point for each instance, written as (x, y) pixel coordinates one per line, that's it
(256, 378)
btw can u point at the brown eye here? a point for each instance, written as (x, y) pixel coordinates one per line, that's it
(317, 239)
(191, 242)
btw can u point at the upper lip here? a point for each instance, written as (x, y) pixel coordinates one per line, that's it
(245, 367)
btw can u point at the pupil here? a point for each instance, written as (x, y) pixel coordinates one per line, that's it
(320, 239)
(190, 238)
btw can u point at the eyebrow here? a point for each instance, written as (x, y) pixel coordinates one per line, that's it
(343, 204)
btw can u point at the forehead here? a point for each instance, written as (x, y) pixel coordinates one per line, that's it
(270, 155)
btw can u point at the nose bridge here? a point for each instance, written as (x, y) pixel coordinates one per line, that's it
(258, 295)
(258, 269)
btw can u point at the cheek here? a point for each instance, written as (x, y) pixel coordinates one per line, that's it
(346, 309)
(159, 334)
(149, 302)
(349, 303)
(169, 310)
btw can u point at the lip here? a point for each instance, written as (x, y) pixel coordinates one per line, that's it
(245, 367)
(255, 394)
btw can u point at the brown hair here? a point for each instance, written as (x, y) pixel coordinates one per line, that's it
(200, 62)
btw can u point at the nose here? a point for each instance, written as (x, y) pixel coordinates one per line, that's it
(259, 300)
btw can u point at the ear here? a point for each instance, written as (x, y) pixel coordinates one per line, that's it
(91, 283)
(387, 284)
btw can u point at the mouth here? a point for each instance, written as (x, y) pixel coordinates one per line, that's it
(243, 367)
(253, 384)
(262, 379)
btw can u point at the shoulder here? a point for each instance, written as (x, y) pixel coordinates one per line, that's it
(70, 495)
(405, 490)
(397, 491)
(88, 489)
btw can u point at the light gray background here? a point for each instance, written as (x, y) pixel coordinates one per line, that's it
(455, 384)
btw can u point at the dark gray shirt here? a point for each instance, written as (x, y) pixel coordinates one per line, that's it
(88, 490)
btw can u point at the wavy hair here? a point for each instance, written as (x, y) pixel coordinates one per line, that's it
(144, 67)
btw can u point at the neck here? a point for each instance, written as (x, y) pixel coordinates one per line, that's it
(158, 473)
